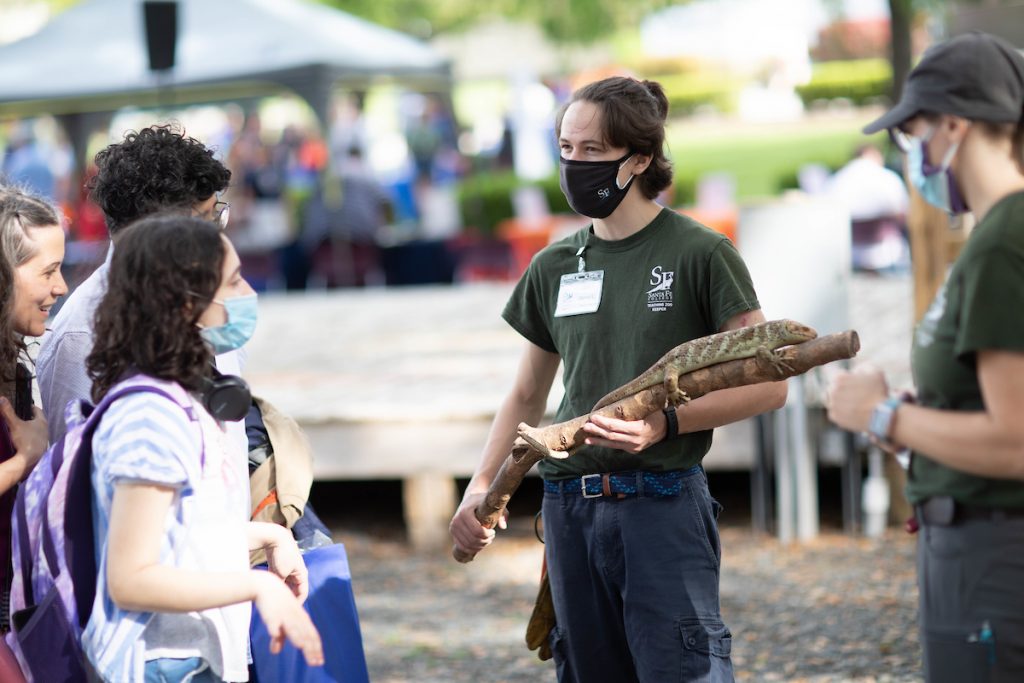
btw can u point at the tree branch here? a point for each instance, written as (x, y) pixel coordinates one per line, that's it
(555, 440)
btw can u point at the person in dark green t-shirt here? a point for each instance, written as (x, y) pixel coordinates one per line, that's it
(632, 545)
(961, 123)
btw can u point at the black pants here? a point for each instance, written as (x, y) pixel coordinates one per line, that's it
(971, 581)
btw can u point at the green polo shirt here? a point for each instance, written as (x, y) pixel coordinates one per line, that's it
(978, 308)
(673, 281)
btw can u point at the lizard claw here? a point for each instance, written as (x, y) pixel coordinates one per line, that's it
(677, 398)
(774, 359)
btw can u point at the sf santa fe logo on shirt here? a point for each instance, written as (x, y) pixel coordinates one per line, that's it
(659, 297)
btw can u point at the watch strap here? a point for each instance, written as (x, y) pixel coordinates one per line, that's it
(672, 424)
(881, 422)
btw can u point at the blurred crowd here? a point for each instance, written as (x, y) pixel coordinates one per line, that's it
(309, 207)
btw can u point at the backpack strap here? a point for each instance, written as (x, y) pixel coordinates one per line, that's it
(24, 549)
(25, 558)
(79, 535)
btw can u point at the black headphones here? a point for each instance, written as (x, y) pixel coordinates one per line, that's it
(226, 397)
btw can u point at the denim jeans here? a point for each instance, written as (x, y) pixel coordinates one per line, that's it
(191, 670)
(634, 583)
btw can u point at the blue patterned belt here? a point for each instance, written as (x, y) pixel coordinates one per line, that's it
(622, 484)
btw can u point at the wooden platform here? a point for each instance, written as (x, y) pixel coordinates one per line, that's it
(402, 383)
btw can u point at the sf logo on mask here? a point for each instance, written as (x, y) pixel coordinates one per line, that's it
(604, 193)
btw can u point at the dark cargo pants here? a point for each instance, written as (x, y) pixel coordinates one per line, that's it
(635, 587)
(971, 581)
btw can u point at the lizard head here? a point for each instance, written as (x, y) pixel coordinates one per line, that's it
(795, 332)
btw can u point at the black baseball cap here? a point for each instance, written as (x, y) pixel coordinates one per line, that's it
(974, 75)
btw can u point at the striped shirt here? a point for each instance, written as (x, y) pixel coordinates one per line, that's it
(146, 438)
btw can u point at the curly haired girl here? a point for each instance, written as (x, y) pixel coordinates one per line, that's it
(171, 509)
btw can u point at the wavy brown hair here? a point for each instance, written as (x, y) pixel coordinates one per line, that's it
(633, 116)
(165, 271)
(20, 211)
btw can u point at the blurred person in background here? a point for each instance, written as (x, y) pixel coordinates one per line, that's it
(303, 156)
(960, 122)
(365, 209)
(348, 130)
(342, 221)
(630, 529)
(27, 163)
(31, 252)
(877, 200)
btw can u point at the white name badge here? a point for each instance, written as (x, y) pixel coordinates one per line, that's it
(579, 293)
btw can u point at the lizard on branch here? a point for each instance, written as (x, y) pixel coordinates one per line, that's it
(756, 340)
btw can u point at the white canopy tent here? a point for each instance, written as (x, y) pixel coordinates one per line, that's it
(93, 56)
(92, 59)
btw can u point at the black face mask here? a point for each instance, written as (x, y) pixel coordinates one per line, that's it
(592, 187)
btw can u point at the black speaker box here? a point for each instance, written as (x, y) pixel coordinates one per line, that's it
(161, 33)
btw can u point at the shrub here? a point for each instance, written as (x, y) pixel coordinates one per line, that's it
(687, 92)
(485, 199)
(858, 80)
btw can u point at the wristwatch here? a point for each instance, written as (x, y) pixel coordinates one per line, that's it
(880, 424)
(671, 424)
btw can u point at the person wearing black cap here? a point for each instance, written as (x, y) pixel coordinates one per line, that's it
(960, 124)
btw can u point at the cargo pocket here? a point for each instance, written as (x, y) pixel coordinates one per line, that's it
(559, 652)
(705, 522)
(958, 654)
(706, 651)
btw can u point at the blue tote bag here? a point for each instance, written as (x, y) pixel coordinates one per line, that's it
(332, 607)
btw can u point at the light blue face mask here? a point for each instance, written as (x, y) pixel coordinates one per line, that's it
(232, 335)
(935, 183)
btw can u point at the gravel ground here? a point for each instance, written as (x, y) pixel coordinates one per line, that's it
(837, 609)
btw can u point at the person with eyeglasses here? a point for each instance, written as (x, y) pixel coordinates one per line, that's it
(156, 169)
(960, 123)
(221, 213)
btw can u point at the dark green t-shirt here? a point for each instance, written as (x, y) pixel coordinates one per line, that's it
(672, 281)
(977, 309)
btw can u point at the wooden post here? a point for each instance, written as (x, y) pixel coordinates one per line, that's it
(429, 503)
(929, 228)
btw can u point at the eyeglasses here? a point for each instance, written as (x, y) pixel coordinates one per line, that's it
(904, 140)
(222, 213)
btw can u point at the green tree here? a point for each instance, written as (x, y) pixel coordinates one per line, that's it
(901, 15)
(563, 20)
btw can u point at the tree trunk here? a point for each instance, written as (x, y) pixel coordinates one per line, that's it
(901, 16)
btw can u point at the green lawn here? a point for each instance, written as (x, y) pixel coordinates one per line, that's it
(759, 156)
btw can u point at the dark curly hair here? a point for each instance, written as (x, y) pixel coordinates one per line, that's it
(633, 116)
(164, 273)
(154, 169)
(20, 211)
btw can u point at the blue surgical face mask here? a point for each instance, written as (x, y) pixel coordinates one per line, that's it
(935, 183)
(241, 312)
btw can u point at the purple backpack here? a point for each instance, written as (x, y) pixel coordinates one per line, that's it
(54, 552)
